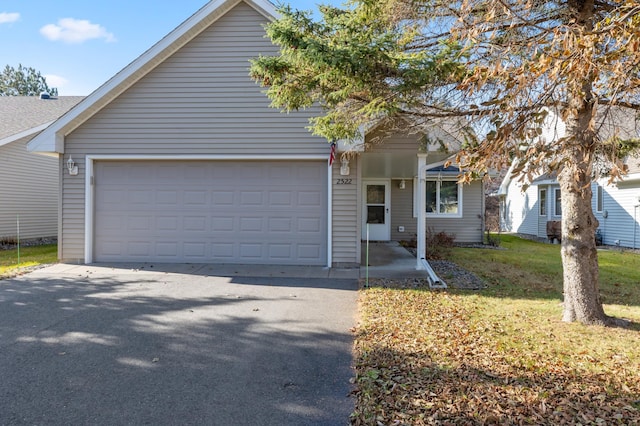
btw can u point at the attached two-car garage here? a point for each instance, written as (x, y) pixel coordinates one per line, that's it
(253, 212)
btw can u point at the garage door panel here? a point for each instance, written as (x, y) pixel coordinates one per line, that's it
(222, 198)
(311, 225)
(225, 212)
(309, 251)
(166, 249)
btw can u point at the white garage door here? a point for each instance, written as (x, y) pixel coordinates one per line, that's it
(256, 212)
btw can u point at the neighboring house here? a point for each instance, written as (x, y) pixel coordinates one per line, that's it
(181, 159)
(615, 205)
(28, 182)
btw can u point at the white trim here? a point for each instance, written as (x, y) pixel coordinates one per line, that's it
(89, 195)
(167, 157)
(438, 181)
(24, 133)
(60, 178)
(599, 198)
(329, 215)
(629, 178)
(49, 140)
(89, 204)
(555, 204)
(421, 205)
(387, 206)
(546, 201)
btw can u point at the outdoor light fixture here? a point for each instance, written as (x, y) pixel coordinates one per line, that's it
(71, 167)
(344, 167)
(402, 184)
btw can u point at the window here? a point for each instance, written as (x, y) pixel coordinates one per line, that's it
(542, 199)
(444, 198)
(599, 199)
(557, 205)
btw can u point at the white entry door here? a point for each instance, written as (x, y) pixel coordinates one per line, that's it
(376, 216)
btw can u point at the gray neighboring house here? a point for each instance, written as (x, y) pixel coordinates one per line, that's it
(28, 182)
(181, 159)
(528, 209)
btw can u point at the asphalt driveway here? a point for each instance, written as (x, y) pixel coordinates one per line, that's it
(169, 345)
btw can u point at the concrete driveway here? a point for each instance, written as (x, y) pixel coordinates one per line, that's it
(176, 344)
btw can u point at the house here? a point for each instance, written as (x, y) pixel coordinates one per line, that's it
(181, 159)
(28, 182)
(531, 208)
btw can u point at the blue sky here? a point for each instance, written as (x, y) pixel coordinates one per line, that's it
(79, 44)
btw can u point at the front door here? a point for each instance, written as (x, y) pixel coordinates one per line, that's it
(376, 216)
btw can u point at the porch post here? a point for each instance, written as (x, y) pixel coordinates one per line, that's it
(422, 211)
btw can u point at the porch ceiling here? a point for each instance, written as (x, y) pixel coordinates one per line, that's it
(394, 165)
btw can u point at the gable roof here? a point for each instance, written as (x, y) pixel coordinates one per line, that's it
(52, 139)
(27, 115)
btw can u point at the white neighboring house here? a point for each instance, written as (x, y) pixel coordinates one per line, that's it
(28, 182)
(615, 205)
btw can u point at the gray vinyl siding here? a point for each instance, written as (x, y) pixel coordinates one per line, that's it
(28, 189)
(394, 143)
(199, 101)
(468, 228)
(622, 224)
(402, 142)
(346, 240)
(202, 101)
(402, 211)
(535, 211)
(542, 226)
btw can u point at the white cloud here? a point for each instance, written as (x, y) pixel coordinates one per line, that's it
(55, 81)
(75, 31)
(6, 18)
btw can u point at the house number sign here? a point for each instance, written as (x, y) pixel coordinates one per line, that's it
(344, 181)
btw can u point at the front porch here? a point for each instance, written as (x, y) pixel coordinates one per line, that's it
(388, 259)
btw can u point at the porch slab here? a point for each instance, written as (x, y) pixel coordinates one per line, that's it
(388, 259)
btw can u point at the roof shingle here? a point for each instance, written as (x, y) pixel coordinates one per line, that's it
(21, 113)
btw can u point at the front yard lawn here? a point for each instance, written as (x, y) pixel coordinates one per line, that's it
(29, 257)
(501, 355)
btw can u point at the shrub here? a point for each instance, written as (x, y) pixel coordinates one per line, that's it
(439, 244)
(492, 239)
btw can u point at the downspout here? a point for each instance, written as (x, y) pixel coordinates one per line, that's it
(422, 207)
(635, 224)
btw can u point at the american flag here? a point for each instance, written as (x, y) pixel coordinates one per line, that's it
(332, 155)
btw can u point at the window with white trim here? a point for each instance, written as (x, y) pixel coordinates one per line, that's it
(557, 205)
(599, 199)
(444, 198)
(542, 199)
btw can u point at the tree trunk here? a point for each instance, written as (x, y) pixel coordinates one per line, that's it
(579, 255)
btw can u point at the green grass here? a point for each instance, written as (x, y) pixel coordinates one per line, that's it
(29, 257)
(531, 270)
(501, 355)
